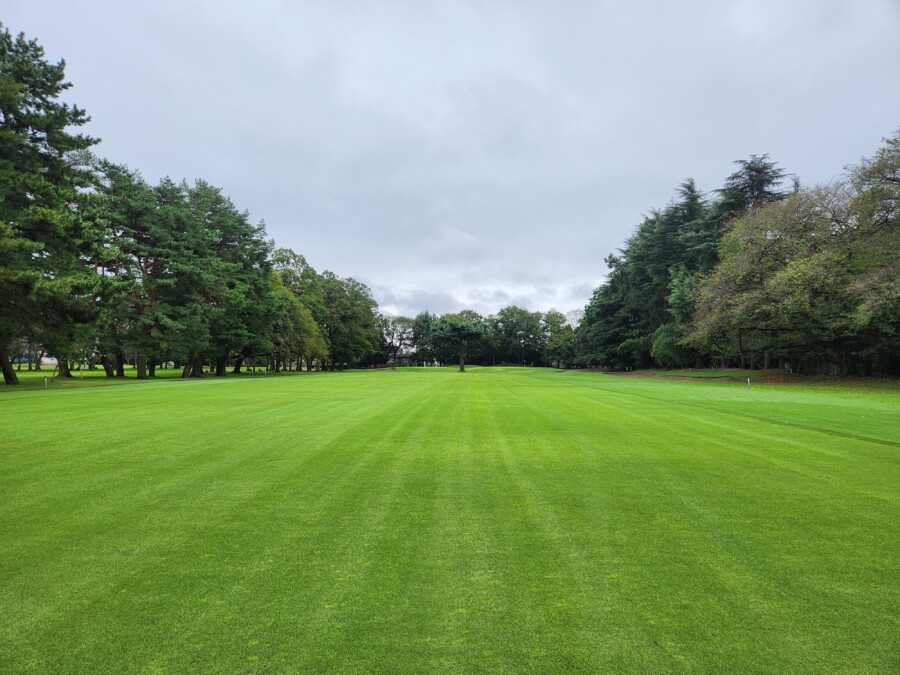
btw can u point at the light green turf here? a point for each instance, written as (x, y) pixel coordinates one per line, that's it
(712, 373)
(427, 520)
(35, 379)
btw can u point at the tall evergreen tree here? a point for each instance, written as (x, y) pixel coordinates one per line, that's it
(458, 332)
(43, 284)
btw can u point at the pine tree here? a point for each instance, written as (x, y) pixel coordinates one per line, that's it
(42, 280)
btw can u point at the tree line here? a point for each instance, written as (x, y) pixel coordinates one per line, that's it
(512, 336)
(759, 276)
(98, 267)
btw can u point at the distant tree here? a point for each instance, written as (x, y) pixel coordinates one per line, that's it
(292, 332)
(130, 261)
(302, 279)
(667, 349)
(559, 347)
(875, 208)
(351, 324)
(398, 335)
(811, 279)
(422, 339)
(643, 309)
(458, 331)
(755, 183)
(491, 342)
(237, 264)
(521, 335)
(607, 321)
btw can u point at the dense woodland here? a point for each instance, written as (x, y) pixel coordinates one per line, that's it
(99, 269)
(760, 276)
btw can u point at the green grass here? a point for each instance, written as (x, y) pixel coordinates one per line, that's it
(771, 376)
(34, 379)
(703, 373)
(427, 520)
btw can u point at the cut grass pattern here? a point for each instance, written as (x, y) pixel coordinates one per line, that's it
(501, 519)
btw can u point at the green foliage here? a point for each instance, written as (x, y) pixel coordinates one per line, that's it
(398, 332)
(667, 350)
(421, 336)
(559, 346)
(754, 184)
(812, 279)
(809, 279)
(351, 323)
(302, 279)
(43, 284)
(520, 335)
(457, 331)
(293, 331)
(605, 324)
(96, 263)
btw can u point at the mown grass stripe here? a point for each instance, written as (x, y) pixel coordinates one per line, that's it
(499, 520)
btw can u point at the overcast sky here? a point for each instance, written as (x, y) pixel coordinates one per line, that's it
(472, 154)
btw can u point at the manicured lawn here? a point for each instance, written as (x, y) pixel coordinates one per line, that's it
(427, 520)
(707, 373)
(34, 379)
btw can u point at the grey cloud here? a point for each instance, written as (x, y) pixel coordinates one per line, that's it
(457, 154)
(411, 301)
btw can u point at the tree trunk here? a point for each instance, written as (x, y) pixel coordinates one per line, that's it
(63, 368)
(462, 360)
(197, 368)
(842, 364)
(238, 362)
(767, 361)
(141, 363)
(107, 366)
(9, 375)
(151, 368)
(186, 371)
(222, 366)
(38, 359)
(120, 364)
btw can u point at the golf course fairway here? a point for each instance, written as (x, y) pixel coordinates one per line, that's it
(426, 520)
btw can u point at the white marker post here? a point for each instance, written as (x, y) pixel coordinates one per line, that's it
(748, 383)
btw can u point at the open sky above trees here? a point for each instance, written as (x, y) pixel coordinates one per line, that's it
(453, 156)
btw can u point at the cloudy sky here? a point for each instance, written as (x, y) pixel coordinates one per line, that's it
(472, 154)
